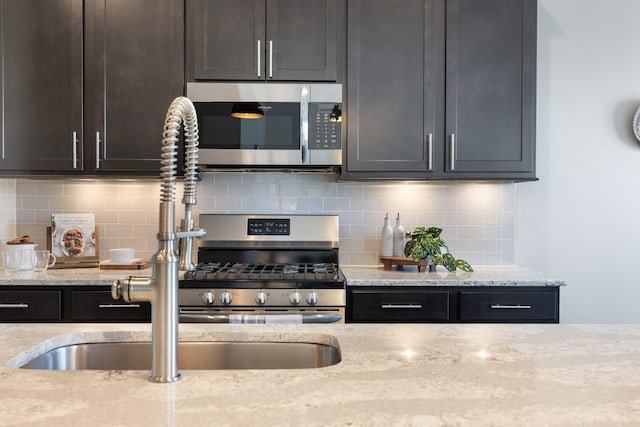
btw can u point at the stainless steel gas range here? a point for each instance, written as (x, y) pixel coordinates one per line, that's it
(265, 269)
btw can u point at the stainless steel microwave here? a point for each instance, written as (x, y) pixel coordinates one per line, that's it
(296, 124)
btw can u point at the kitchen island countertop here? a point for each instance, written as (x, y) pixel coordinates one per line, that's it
(400, 374)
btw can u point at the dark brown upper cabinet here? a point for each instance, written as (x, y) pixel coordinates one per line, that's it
(41, 86)
(134, 68)
(257, 40)
(441, 89)
(86, 91)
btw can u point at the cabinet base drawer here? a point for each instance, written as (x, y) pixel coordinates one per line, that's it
(387, 306)
(99, 306)
(29, 306)
(534, 306)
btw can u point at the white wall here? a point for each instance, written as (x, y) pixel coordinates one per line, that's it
(581, 221)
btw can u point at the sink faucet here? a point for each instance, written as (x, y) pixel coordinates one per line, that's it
(161, 289)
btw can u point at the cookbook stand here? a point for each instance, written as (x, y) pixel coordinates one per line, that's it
(75, 261)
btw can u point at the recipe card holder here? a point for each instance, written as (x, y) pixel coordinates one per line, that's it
(75, 261)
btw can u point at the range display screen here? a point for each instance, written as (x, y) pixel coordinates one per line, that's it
(268, 227)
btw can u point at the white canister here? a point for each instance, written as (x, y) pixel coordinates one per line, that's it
(121, 255)
(26, 251)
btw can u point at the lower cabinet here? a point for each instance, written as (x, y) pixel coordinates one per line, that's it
(67, 304)
(98, 306)
(30, 306)
(510, 304)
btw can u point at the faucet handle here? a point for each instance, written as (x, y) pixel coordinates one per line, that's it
(193, 233)
(117, 289)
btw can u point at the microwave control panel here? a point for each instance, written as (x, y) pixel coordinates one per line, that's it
(325, 129)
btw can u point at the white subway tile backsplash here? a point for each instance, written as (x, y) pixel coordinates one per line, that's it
(477, 218)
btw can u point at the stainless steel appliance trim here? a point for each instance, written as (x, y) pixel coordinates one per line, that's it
(245, 92)
(238, 244)
(260, 316)
(304, 125)
(303, 228)
(274, 297)
(510, 307)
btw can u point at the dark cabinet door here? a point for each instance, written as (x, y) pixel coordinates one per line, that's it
(490, 81)
(441, 89)
(394, 87)
(301, 40)
(227, 39)
(133, 70)
(263, 39)
(41, 85)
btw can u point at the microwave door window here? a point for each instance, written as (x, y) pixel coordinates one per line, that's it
(279, 129)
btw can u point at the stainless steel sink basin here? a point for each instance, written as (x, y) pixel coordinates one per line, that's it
(192, 355)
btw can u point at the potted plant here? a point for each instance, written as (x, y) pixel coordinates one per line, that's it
(426, 243)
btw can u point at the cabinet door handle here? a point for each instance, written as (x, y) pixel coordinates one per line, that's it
(452, 152)
(12, 305)
(401, 306)
(430, 152)
(97, 150)
(118, 305)
(75, 149)
(270, 59)
(510, 307)
(259, 56)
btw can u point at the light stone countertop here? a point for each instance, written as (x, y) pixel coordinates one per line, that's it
(355, 275)
(390, 374)
(483, 275)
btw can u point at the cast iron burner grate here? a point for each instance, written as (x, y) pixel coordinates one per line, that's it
(214, 271)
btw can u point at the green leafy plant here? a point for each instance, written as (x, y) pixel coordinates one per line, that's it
(426, 242)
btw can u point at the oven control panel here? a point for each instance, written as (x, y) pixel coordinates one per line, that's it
(268, 227)
(234, 297)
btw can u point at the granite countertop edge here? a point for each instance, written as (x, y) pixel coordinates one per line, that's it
(355, 275)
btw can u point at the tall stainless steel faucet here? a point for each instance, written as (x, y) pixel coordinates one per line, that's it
(161, 289)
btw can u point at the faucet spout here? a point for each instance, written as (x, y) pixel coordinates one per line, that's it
(161, 289)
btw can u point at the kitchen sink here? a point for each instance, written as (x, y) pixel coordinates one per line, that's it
(192, 355)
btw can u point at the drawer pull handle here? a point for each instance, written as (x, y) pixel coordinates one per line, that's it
(402, 306)
(118, 305)
(509, 307)
(10, 305)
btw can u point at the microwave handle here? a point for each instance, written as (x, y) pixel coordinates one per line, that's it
(304, 125)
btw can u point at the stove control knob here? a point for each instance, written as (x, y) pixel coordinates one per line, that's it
(294, 298)
(208, 298)
(261, 298)
(226, 298)
(312, 298)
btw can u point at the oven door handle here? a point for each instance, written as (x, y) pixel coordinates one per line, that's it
(203, 317)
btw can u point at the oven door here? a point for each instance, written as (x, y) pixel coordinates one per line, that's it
(278, 138)
(261, 315)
